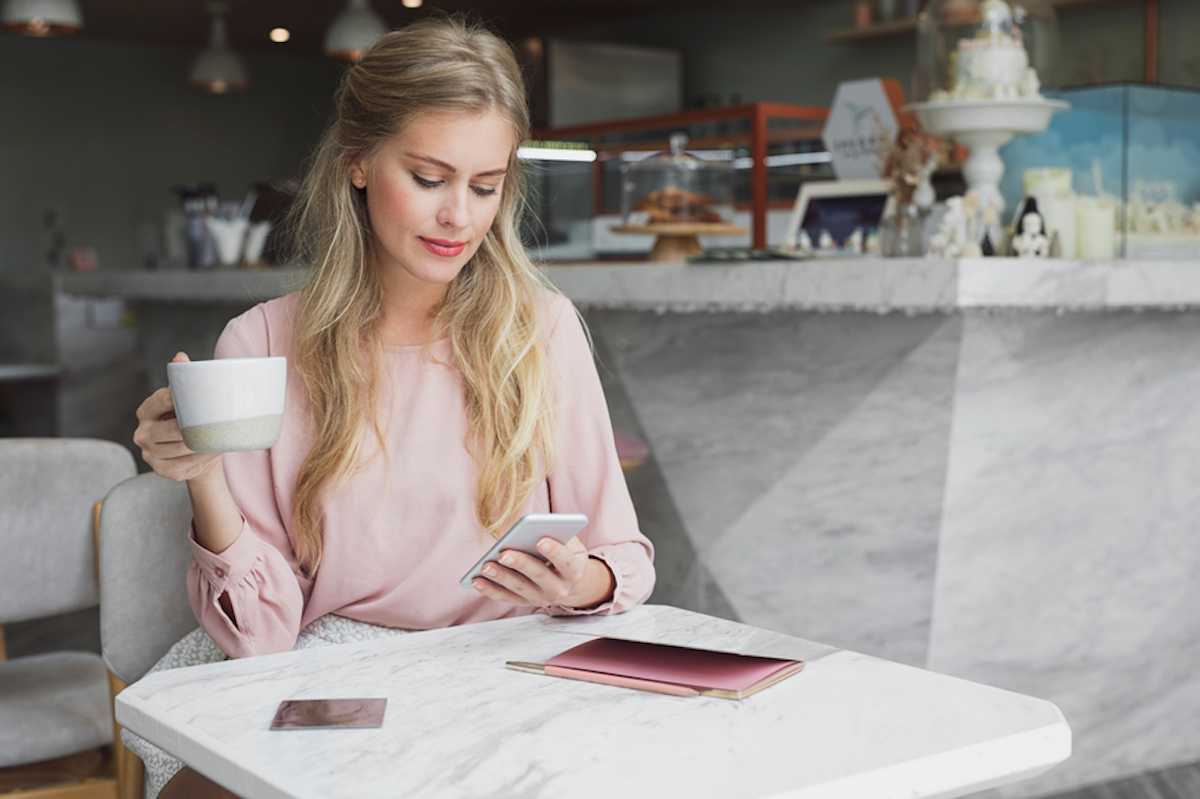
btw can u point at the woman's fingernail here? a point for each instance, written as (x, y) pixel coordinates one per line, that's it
(507, 560)
(544, 547)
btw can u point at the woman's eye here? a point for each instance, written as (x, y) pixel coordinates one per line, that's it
(426, 183)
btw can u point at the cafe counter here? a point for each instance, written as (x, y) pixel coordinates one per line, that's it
(870, 284)
(985, 467)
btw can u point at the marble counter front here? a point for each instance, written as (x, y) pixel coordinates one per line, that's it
(996, 477)
(869, 284)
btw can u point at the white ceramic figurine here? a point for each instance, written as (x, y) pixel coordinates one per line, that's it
(1031, 242)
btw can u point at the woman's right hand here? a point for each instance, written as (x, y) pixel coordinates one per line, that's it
(161, 441)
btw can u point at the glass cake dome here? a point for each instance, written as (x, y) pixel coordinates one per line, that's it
(985, 50)
(675, 187)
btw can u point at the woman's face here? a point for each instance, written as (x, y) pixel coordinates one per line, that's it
(432, 192)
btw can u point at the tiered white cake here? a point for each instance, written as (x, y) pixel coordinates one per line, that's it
(992, 65)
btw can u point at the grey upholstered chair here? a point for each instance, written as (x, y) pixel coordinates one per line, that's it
(56, 704)
(144, 608)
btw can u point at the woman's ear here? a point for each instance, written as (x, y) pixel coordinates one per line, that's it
(358, 173)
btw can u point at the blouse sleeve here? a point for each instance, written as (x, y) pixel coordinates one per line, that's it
(585, 476)
(255, 573)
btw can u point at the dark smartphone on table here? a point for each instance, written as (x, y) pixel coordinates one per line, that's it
(325, 714)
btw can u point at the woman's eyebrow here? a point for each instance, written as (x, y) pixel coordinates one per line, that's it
(448, 168)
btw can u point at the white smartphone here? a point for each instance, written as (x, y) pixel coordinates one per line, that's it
(524, 535)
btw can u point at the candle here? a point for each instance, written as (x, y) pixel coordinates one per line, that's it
(1059, 214)
(1046, 180)
(1097, 229)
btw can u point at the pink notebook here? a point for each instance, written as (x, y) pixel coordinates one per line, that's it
(666, 669)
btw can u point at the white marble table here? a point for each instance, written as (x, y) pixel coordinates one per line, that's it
(459, 724)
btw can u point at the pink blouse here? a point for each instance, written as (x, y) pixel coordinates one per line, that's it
(401, 531)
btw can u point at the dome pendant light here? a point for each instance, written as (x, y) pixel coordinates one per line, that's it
(354, 31)
(42, 17)
(218, 69)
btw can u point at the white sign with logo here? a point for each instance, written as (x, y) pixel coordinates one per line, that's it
(860, 129)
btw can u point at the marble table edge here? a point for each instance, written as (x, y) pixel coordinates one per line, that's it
(202, 753)
(1013, 758)
(1010, 758)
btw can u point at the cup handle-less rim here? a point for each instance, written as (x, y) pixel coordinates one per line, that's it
(228, 360)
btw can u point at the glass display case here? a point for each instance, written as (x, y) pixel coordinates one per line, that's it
(771, 149)
(674, 186)
(984, 50)
(558, 223)
(1127, 159)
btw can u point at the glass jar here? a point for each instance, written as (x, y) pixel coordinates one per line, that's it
(902, 233)
(678, 187)
(972, 50)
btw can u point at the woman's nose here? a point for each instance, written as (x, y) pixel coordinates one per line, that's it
(453, 213)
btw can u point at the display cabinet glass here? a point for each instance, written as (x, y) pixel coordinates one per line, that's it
(558, 222)
(1130, 157)
(771, 150)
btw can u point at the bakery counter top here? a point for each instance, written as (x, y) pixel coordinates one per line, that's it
(871, 284)
(968, 482)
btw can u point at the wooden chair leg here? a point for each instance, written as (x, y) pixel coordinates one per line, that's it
(96, 538)
(133, 777)
(83, 775)
(92, 789)
(3, 648)
(130, 771)
(128, 767)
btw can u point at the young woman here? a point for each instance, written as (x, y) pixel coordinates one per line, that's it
(438, 387)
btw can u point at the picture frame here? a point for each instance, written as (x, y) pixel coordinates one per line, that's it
(867, 201)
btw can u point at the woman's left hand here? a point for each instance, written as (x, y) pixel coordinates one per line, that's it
(571, 578)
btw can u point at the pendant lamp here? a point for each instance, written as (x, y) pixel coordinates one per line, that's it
(354, 31)
(218, 69)
(42, 17)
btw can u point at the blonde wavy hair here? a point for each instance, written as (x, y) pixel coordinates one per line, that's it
(489, 311)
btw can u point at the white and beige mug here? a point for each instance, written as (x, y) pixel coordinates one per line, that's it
(229, 404)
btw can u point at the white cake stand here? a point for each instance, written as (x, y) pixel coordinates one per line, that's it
(984, 126)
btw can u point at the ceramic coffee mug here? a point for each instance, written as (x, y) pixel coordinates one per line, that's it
(229, 404)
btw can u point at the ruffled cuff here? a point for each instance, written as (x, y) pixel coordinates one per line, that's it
(230, 566)
(626, 592)
(263, 593)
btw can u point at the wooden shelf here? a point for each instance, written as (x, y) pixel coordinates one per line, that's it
(774, 136)
(881, 30)
(899, 27)
(1068, 4)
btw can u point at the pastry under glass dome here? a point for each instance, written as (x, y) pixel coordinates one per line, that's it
(675, 187)
(985, 50)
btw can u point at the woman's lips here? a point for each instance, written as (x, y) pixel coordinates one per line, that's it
(442, 247)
